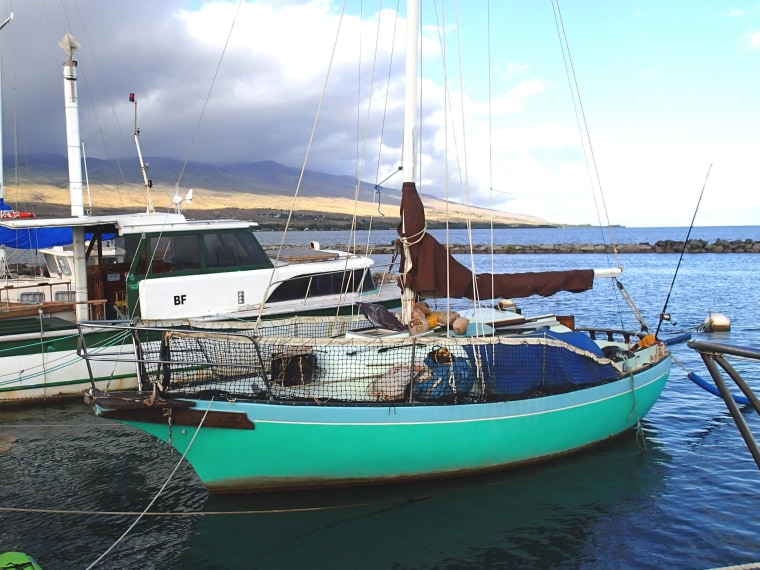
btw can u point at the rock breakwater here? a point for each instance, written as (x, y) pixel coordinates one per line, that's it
(663, 246)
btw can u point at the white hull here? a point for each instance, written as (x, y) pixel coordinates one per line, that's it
(57, 374)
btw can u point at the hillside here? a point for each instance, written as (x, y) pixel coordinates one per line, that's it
(262, 192)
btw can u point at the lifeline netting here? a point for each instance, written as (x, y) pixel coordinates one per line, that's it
(345, 360)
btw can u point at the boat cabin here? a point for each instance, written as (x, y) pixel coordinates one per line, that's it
(163, 266)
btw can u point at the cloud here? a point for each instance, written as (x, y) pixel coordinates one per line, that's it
(217, 85)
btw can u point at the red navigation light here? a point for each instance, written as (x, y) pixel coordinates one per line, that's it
(131, 97)
(25, 215)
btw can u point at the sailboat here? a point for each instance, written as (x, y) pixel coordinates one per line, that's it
(153, 268)
(377, 397)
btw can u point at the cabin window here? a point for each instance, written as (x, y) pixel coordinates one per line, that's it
(187, 252)
(64, 267)
(175, 253)
(323, 284)
(197, 252)
(65, 296)
(33, 298)
(57, 265)
(233, 249)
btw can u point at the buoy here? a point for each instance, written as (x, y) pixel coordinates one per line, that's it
(13, 560)
(716, 322)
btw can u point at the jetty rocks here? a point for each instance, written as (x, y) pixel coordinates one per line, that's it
(663, 246)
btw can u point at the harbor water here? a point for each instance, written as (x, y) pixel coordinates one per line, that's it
(680, 492)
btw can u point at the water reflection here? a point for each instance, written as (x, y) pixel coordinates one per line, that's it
(549, 515)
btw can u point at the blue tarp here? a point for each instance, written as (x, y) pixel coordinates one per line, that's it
(33, 238)
(515, 369)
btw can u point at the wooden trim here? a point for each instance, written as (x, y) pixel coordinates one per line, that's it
(180, 417)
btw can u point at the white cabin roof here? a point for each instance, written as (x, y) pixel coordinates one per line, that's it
(128, 223)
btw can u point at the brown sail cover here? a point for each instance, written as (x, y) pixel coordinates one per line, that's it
(431, 264)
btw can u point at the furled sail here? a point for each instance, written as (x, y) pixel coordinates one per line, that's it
(435, 272)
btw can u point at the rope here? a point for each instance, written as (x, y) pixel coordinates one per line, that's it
(63, 361)
(210, 89)
(186, 514)
(155, 498)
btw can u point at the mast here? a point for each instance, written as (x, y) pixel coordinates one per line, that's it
(409, 138)
(73, 142)
(76, 192)
(2, 182)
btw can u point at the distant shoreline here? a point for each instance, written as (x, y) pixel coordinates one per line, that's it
(663, 246)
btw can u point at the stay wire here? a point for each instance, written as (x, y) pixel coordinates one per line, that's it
(680, 258)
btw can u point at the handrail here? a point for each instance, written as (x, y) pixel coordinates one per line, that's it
(35, 284)
(702, 346)
(47, 307)
(713, 356)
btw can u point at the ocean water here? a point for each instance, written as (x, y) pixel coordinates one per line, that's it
(679, 493)
(526, 236)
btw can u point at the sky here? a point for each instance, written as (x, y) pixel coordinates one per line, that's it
(657, 125)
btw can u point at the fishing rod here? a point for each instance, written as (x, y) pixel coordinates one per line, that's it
(663, 315)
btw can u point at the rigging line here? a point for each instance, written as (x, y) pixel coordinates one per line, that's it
(490, 146)
(468, 200)
(351, 245)
(361, 156)
(578, 104)
(161, 490)
(385, 108)
(575, 90)
(96, 115)
(208, 95)
(447, 113)
(306, 157)
(680, 258)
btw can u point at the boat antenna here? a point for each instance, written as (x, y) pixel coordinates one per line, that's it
(663, 315)
(143, 167)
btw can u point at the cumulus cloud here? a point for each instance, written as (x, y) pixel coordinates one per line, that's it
(215, 84)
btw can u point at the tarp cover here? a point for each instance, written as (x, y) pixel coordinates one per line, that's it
(33, 238)
(432, 264)
(515, 370)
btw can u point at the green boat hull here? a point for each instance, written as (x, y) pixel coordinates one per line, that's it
(290, 446)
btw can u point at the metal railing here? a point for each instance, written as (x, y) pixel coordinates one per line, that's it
(714, 356)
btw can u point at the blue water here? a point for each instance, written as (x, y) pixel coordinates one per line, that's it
(682, 493)
(527, 236)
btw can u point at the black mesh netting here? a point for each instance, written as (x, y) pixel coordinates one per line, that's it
(349, 360)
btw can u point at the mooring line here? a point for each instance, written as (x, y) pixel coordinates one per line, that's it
(161, 490)
(186, 514)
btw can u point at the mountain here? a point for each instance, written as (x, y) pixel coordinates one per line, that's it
(260, 191)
